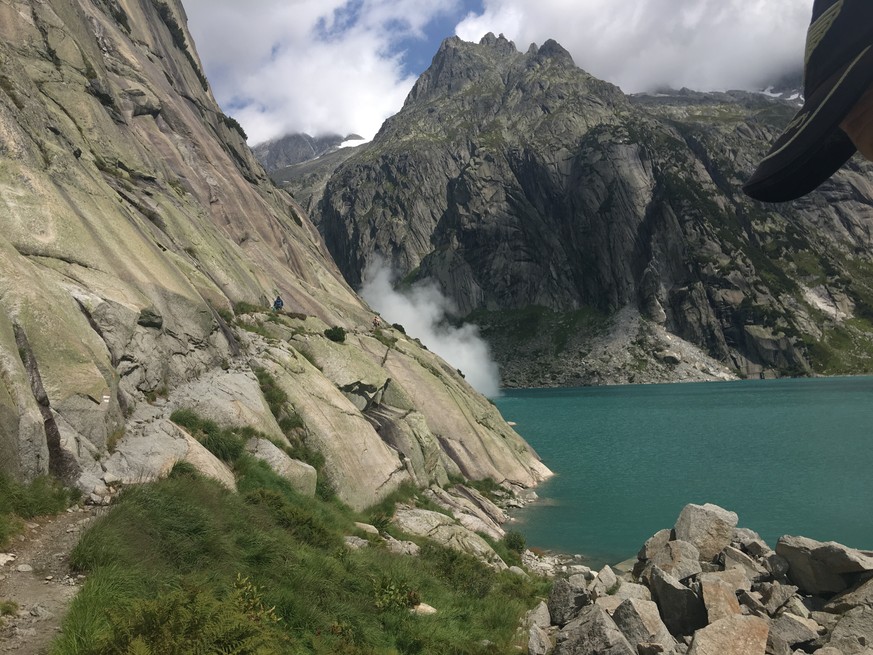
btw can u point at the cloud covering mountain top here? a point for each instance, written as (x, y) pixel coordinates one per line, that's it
(340, 66)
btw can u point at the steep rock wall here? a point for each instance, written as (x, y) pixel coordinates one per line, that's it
(134, 220)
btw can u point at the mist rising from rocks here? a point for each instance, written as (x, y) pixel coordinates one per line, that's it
(423, 311)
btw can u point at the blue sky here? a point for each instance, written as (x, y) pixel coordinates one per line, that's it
(418, 52)
(344, 66)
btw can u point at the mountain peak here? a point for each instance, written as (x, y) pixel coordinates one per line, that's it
(551, 49)
(459, 63)
(499, 43)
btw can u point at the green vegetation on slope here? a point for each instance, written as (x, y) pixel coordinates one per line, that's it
(184, 565)
(42, 496)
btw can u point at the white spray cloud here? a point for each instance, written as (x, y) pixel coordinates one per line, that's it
(423, 312)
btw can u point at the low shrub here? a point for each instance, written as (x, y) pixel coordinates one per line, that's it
(392, 594)
(274, 394)
(515, 541)
(191, 620)
(337, 334)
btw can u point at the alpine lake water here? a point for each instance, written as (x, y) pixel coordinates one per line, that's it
(792, 456)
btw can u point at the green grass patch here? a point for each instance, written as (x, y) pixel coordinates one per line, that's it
(243, 307)
(845, 349)
(227, 444)
(41, 497)
(184, 565)
(385, 339)
(255, 328)
(292, 425)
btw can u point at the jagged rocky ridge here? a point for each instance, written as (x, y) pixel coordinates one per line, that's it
(706, 587)
(595, 235)
(141, 245)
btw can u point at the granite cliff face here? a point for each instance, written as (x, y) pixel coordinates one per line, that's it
(141, 245)
(598, 237)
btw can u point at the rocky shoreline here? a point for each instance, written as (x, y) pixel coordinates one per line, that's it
(708, 587)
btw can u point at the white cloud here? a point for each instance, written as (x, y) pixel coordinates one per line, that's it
(321, 66)
(312, 66)
(642, 44)
(422, 310)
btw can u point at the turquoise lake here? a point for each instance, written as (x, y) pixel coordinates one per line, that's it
(788, 456)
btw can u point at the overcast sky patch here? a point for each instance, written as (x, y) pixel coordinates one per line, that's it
(337, 66)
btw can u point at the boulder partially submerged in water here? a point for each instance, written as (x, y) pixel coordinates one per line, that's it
(738, 595)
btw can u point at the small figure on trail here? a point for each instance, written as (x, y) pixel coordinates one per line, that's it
(837, 115)
(278, 304)
(377, 322)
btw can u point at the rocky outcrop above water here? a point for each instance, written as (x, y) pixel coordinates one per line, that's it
(742, 599)
(141, 244)
(543, 201)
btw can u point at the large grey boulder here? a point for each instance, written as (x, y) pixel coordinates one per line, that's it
(603, 583)
(776, 645)
(538, 642)
(720, 599)
(653, 544)
(709, 527)
(682, 610)
(446, 531)
(853, 634)
(566, 599)
(539, 616)
(681, 559)
(409, 548)
(629, 590)
(592, 633)
(775, 595)
(822, 568)
(469, 512)
(230, 399)
(735, 558)
(301, 475)
(151, 452)
(736, 578)
(736, 635)
(859, 596)
(640, 623)
(794, 630)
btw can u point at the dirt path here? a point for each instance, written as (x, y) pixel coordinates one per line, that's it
(38, 581)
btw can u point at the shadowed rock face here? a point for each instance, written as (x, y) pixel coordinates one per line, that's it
(133, 219)
(518, 181)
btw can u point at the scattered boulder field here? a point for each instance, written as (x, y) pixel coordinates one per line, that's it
(707, 587)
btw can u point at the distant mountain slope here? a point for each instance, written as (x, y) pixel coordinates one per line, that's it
(280, 153)
(543, 201)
